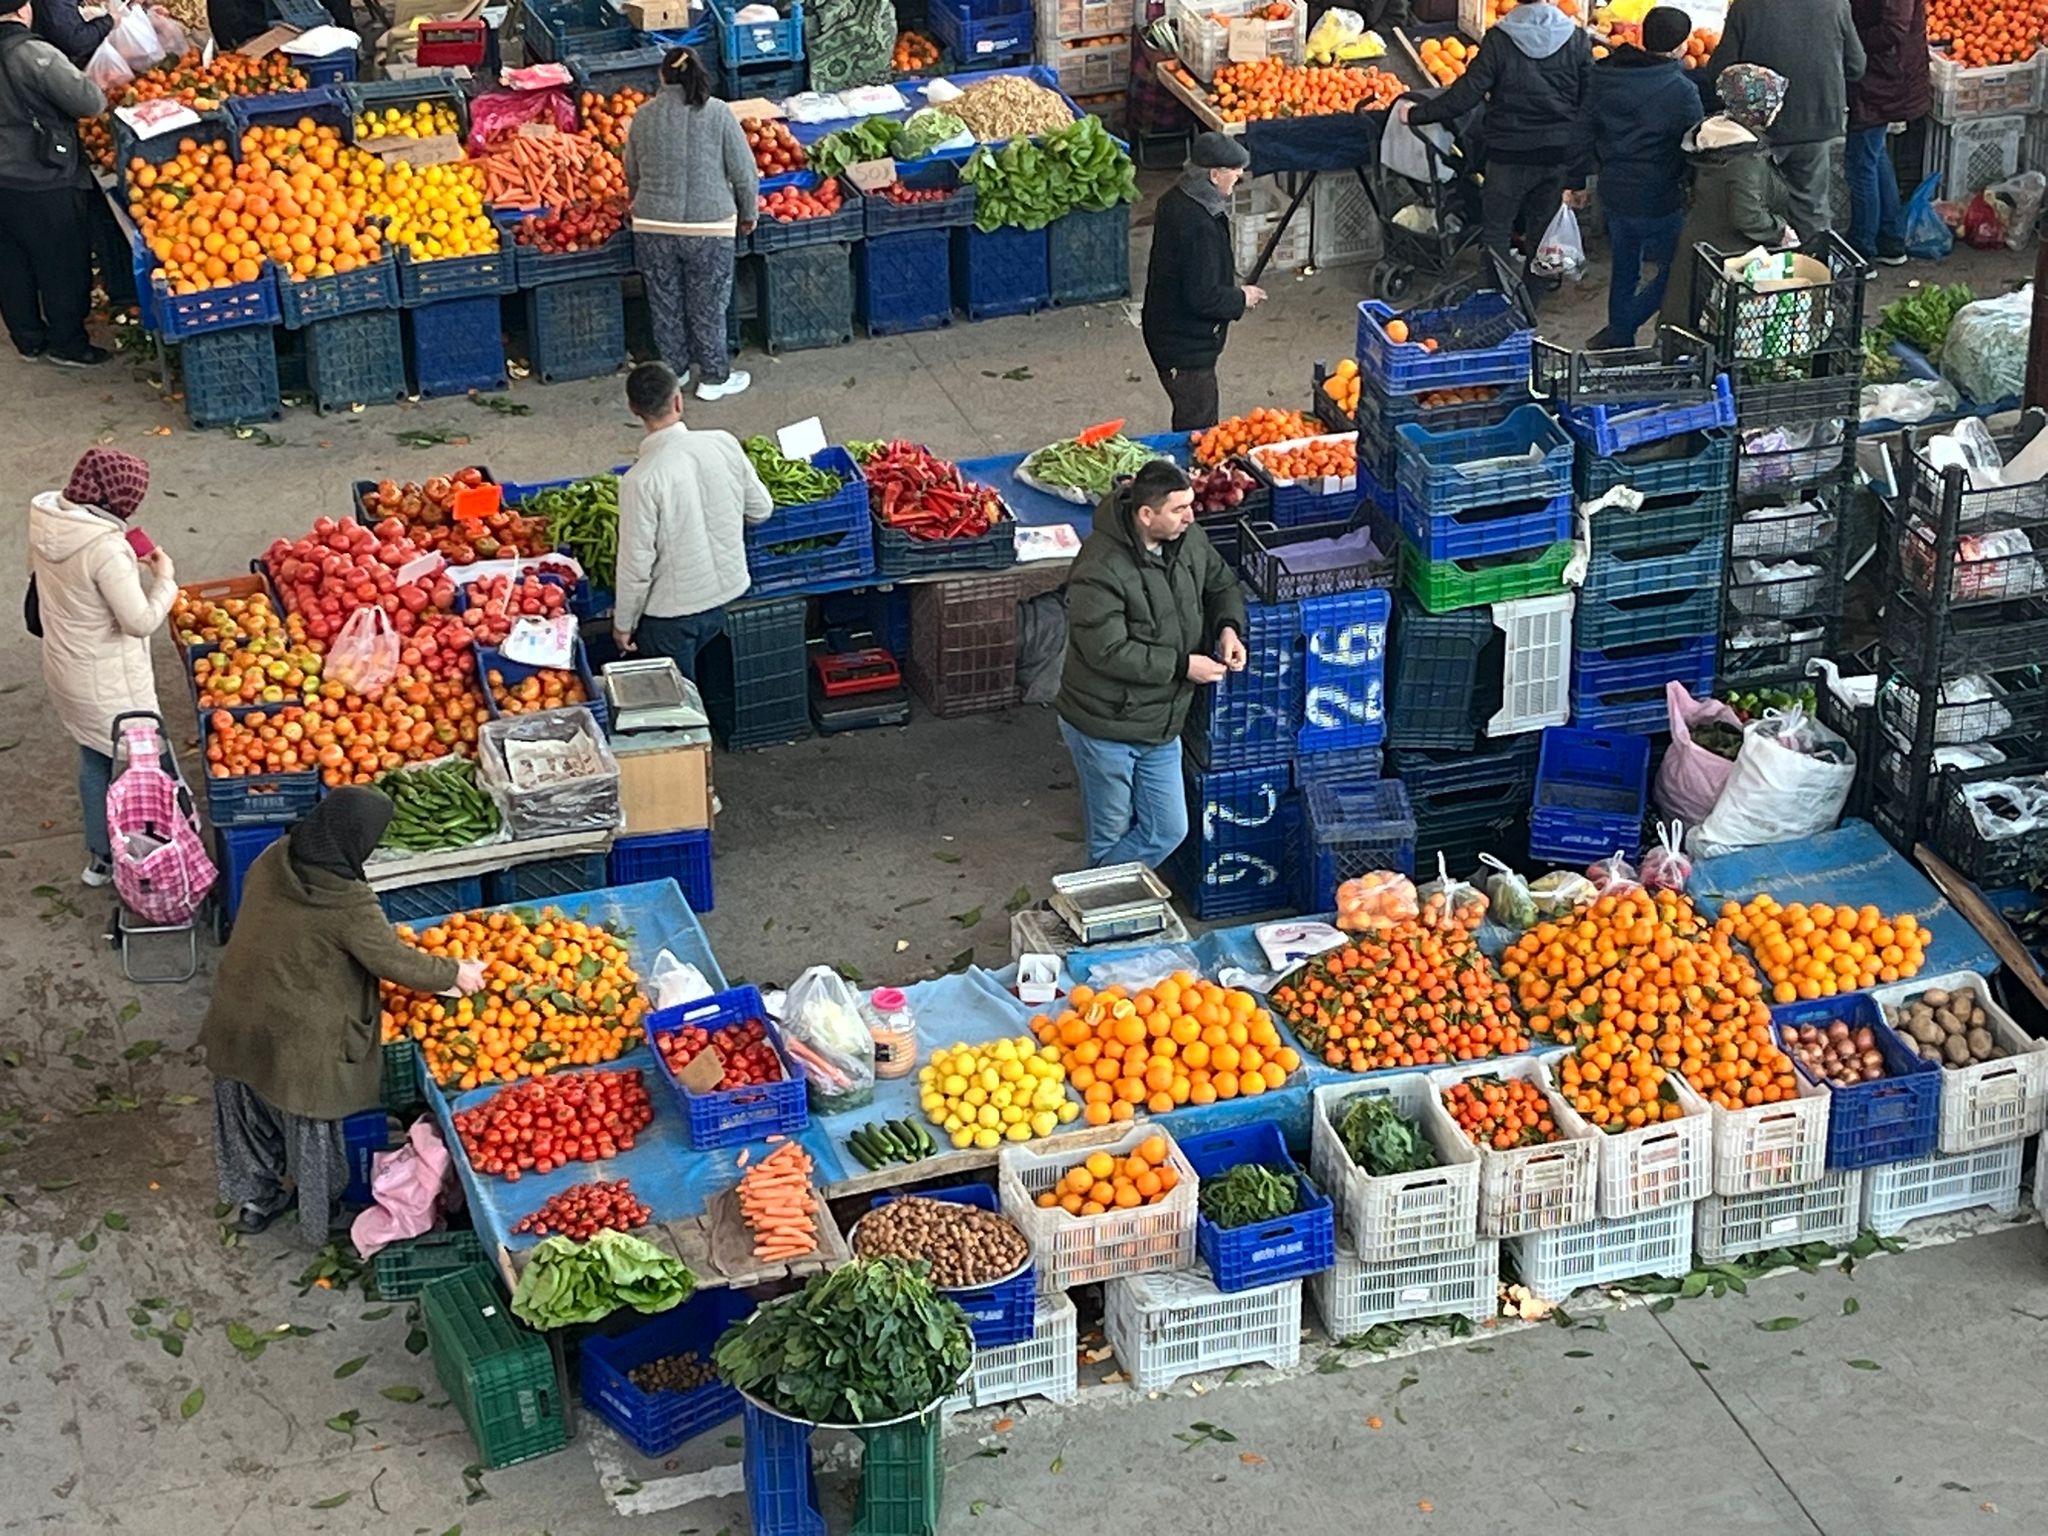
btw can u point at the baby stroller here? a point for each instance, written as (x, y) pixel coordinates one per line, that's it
(161, 870)
(1425, 183)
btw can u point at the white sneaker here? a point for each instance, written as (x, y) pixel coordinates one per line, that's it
(733, 383)
(96, 874)
(683, 379)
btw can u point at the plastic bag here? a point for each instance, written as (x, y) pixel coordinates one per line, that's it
(1791, 780)
(1561, 253)
(108, 70)
(1691, 777)
(364, 657)
(1513, 906)
(1139, 971)
(1665, 867)
(1991, 566)
(1377, 900)
(1909, 400)
(1928, 237)
(1402, 151)
(1560, 891)
(170, 33)
(408, 1184)
(1613, 875)
(1986, 349)
(135, 39)
(827, 1037)
(2007, 808)
(1448, 904)
(2022, 196)
(676, 982)
(498, 112)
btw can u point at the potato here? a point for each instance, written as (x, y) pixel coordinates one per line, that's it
(1977, 1018)
(1925, 1031)
(1957, 1051)
(1981, 1044)
(1934, 997)
(1928, 1050)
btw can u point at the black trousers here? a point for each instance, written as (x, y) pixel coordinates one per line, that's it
(1518, 199)
(45, 270)
(1194, 395)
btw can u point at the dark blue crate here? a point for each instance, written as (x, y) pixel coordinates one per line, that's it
(1433, 675)
(1001, 272)
(1889, 1121)
(546, 879)
(1251, 717)
(1606, 622)
(906, 282)
(1380, 415)
(1303, 504)
(768, 82)
(1664, 520)
(636, 68)
(1611, 429)
(1235, 882)
(212, 129)
(330, 68)
(535, 267)
(1264, 550)
(885, 217)
(655, 1423)
(982, 34)
(557, 30)
(324, 104)
(1352, 829)
(231, 376)
(1458, 788)
(807, 297)
(303, 300)
(1483, 340)
(723, 1118)
(1343, 679)
(364, 96)
(356, 360)
(1622, 688)
(1591, 791)
(849, 224)
(234, 850)
(1351, 765)
(456, 346)
(1478, 530)
(1001, 1314)
(1231, 808)
(456, 277)
(684, 857)
(363, 1136)
(435, 899)
(1266, 1252)
(758, 42)
(1690, 463)
(230, 306)
(1088, 256)
(761, 694)
(576, 329)
(782, 1489)
(1446, 472)
(489, 660)
(1614, 574)
(777, 565)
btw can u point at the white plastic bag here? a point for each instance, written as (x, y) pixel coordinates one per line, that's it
(1561, 252)
(1665, 867)
(108, 70)
(1986, 349)
(829, 1040)
(364, 658)
(1791, 780)
(134, 38)
(171, 35)
(676, 982)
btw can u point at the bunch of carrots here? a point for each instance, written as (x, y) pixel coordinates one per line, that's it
(778, 1203)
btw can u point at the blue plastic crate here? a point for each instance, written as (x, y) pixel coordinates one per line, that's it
(1614, 574)
(725, 1117)
(758, 42)
(1349, 765)
(230, 376)
(684, 857)
(982, 33)
(886, 217)
(782, 1488)
(489, 660)
(1266, 1252)
(1302, 504)
(700, 37)
(1592, 788)
(1353, 829)
(1611, 429)
(278, 797)
(557, 30)
(456, 277)
(1001, 1314)
(330, 68)
(1433, 675)
(1691, 462)
(227, 307)
(356, 360)
(655, 1423)
(324, 104)
(1088, 256)
(1889, 1121)
(456, 346)
(441, 86)
(363, 1136)
(1621, 688)
(546, 879)
(534, 267)
(1239, 881)
(434, 899)
(906, 281)
(845, 227)
(303, 300)
(576, 329)
(807, 296)
(1446, 472)
(212, 129)
(1605, 622)
(1344, 671)
(1665, 520)
(1252, 716)
(774, 562)
(1477, 530)
(637, 67)
(234, 850)
(1380, 415)
(1483, 340)
(1001, 272)
(1236, 808)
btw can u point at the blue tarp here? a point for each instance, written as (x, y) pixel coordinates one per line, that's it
(1036, 508)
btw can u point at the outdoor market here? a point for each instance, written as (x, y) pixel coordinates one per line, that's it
(1606, 816)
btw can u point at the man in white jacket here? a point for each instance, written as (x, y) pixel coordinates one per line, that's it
(683, 511)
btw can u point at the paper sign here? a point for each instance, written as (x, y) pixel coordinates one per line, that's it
(537, 130)
(267, 42)
(755, 107)
(539, 642)
(1247, 41)
(151, 118)
(704, 1072)
(474, 503)
(872, 175)
(801, 439)
(441, 149)
(420, 568)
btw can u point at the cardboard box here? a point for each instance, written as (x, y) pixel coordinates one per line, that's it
(660, 15)
(665, 789)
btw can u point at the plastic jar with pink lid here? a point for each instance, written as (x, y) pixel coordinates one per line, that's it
(894, 1027)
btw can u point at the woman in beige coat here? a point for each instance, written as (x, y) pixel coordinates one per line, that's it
(98, 604)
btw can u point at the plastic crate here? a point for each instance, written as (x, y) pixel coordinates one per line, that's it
(212, 311)
(1204, 46)
(899, 554)
(1166, 1326)
(513, 673)
(546, 879)
(364, 96)
(1252, 716)
(1298, 503)
(1622, 689)
(1691, 463)
(1472, 532)
(1888, 1121)
(1797, 321)
(902, 1477)
(399, 1088)
(534, 267)
(1047, 1364)
(1483, 340)
(904, 282)
(304, 300)
(1668, 1163)
(1237, 808)
(1443, 586)
(1523, 1189)
(1240, 881)
(886, 217)
(230, 376)
(726, 1117)
(1687, 565)
(432, 899)
(556, 30)
(1343, 680)
(456, 277)
(636, 68)
(1995, 1101)
(407, 1266)
(1829, 1210)
(1666, 524)
(1061, 19)
(1998, 637)
(1394, 1217)
(1079, 1250)
(1612, 429)
(1433, 676)
(1648, 618)
(1348, 765)
(963, 644)
(1556, 1263)
(807, 296)
(1526, 458)
(1345, 227)
(1592, 789)
(768, 82)
(1987, 862)
(280, 797)
(362, 1137)
(1962, 92)
(1772, 1146)
(356, 359)
(456, 346)
(758, 42)
(981, 33)
(500, 1374)
(768, 700)
(780, 552)
(1291, 242)
(1085, 67)
(1261, 1253)
(1353, 829)
(849, 224)
(781, 1485)
(684, 857)
(1675, 370)
(1937, 1185)
(1357, 1295)
(212, 130)
(334, 68)
(1088, 255)
(234, 850)
(1314, 560)
(1001, 1314)
(1970, 155)
(1001, 271)
(576, 329)
(655, 1423)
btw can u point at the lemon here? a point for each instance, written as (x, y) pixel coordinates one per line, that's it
(987, 1139)
(1019, 1132)
(963, 1137)
(1067, 1111)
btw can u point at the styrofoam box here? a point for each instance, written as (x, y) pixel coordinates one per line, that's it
(1897, 1193)
(1077, 1250)
(1045, 1365)
(1355, 1295)
(1526, 1189)
(1829, 1210)
(1772, 1146)
(1555, 1264)
(1164, 1326)
(1994, 1101)
(1294, 249)
(1402, 1215)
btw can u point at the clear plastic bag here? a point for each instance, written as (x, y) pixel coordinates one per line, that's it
(1561, 252)
(1986, 348)
(1513, 906)
(364, 658)
(828, 1038)
(1446, 903)
(1560, 891)
(675, 982)
(135, 39)
(1613, 875)
(1665, 867)
(170, 33)
(1377, 900)
(2007, 808)
(108, 70)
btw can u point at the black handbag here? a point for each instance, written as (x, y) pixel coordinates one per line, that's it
(32, 610)
(55, 149)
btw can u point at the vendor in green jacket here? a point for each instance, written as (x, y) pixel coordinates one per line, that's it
(291, 1036)
(1153, 613)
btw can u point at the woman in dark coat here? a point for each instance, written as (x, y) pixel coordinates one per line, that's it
(291, 1036)
(1894, 89)
(1739, 201)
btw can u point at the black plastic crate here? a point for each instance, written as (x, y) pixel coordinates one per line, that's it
(442, 86)
(1353, 829)
(898, 554)
(1665, 521)
(1333, 557)
(231, 376)
(1748, 326)
(356, 360)
(1825, 388)
(1993, 638)
(576, 330)
(1990, 862)
(456, 345)
(373, 286)
(1088, 256)
(1433, 675)
(807, 297)
(1677, 367)
(607, 74)
(963, 644)
(756, 683)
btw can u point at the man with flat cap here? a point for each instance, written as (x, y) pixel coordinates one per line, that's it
(1191, 288)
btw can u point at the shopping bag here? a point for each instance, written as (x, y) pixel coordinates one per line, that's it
(364, 659)
(1928, 237)
(108, 70)
(134, 38)
(1561, 252)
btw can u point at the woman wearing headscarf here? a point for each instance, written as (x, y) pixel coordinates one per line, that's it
(1739, 200)
(95, 604)
(291, 1036)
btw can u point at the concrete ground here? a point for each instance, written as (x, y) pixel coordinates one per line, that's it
(124, 1406)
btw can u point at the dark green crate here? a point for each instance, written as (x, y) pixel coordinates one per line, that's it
(401, 1090)
(901, 1479)
(498, 1372)
(406, 1267)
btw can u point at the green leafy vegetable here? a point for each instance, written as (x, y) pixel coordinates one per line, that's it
(1382, 1140)
(1250, 1193)
(924, 131)
(1028, 184)
(567, 1282)
(869, 139)
(1922, 318)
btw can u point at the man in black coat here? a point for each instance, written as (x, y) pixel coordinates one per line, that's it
(58, 23)
(1191, 288)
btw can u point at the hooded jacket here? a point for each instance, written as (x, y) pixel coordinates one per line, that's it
(1133, 620)
(295, 1008)
(1191, 288)
(37, 83)
(1643, 106)
(1812, 43)
(99, 608)
(1534, 71)
(1738, 201)
(1894, 87)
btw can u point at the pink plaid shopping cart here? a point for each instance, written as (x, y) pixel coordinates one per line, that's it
(161, 869)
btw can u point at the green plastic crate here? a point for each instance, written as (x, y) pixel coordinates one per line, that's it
(1443, 586)
(408, 1266)
(901, 1479)
(500, 1373)
(401, 1090)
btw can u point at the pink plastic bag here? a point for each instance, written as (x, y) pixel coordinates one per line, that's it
(498, 112)
(1691, 778)
(407, 1183)
(1665, 867)
(364, 659)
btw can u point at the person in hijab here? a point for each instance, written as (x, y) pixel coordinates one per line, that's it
(94, 602)
(1739, 200)
(1191, 288)
(291, 1035)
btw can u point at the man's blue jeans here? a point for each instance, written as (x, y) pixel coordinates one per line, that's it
(1876, 221)
(1634, 242)
(680, 639)
(1132, 798)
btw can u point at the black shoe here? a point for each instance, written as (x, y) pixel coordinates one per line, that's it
(252, 1219)
(90, 357)
(1891, 258)
(33, 352)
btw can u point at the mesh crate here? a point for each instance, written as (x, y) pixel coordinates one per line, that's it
(761, 694)
(240, 801)
(826, 540)
(849, 224)
(1612, 429)
(356, 359)
(1671, 1163)
(1343, 681)
(963, 644)
(637, 68)
(234, 850)
(1078, 1250)
(1484, 339)
(1443, 586)
(1290, 240)
(399, 1086)
(1394, 1217)
(782, 1487)
(230, 376)
(902, 1477)
(1204, 46)
(1692, 463)
(304, 300)
(1829, 1210)
(456, 346)
(884, 216)
(1536, 663)
(1088, 255)
(655, 1423)
(1261, 1253)
(1887, 1121)
(1554, 1264)
(1345, 230)
(545, 879)
(1525, 458)
(1969, 156)
(406, 1267)
(905, 281)
(1001, 271)
(439, 86)
(1061, 19)
(1524, 1189)
(1937, 1185)
(1821, 311)
(1994, 1101)
(1166, 1326)
(1996, 637)
(1047, 1364)
(1664, 525)
(1354, 829)
(456, 277)
(1312, 560)
(724, 1117)
(758, 42)
(982, 33)
(807, 297)
(1356, 1295)
(432, 899)
(1676, 369)
(684, 857)
(1963, 92)
(1252, 716)
(576, 329)
(1433, 675)
(2017, 858)
(500, 1374)
(1352, 764)
(224, 307)
(1381, 416)
(556, 30)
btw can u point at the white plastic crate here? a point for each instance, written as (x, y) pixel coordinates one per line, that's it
(1403, 1215)
(1992, 1102)
(1059, 20)
(1346, 230)
(1970, 155)
(1826, 1211)
(1771, 1146)
(1170, 1325)
(1961, 93)
(1091, 70)
(1078, 1250)
(1897, 1193)
(1526, 1189)
(1669, 1163)
(1555, 1264)
(1255, 195)
(1205, 46)
(1045, 1365)
(1250, 237)
(1355, 1295)
(1536, 663)
(2034, 150)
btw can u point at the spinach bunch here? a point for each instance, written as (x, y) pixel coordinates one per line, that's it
(1922, 318)
(1382, 1140)
(1029, 183)
(1250, 1193)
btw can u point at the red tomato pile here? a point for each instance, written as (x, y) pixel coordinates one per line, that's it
(583, 1210)
(775, 147)
(428, 513)
(494, 602)
(578, 227)
(899, 193)
(342, 566)
(791, 205)
(439, 647)
(546, 1123)
(749, 1058)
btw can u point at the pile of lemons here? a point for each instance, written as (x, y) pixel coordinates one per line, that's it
(1005, 1090)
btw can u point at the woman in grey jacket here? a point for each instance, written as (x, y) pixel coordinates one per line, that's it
(695, 192)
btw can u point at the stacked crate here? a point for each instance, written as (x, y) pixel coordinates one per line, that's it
(983, 34)
(1087, 45)
(1985, 125)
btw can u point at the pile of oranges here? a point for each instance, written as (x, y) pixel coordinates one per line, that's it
(1976, 36)
(606, 118)
(1464, 394)
(1822, 950)
(544, 688)
(1179, 1041)
(1343, 385)
(1240, 434)
(1446, 58)
(1102, 1181)
(1270, 88)
(1334, 458)
(913, 52)
(1501, 1113)
(556, 993)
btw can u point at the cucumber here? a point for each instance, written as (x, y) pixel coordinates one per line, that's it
(924, 1138)
(906, 1133)
(868, 1159)
(886, 1139)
